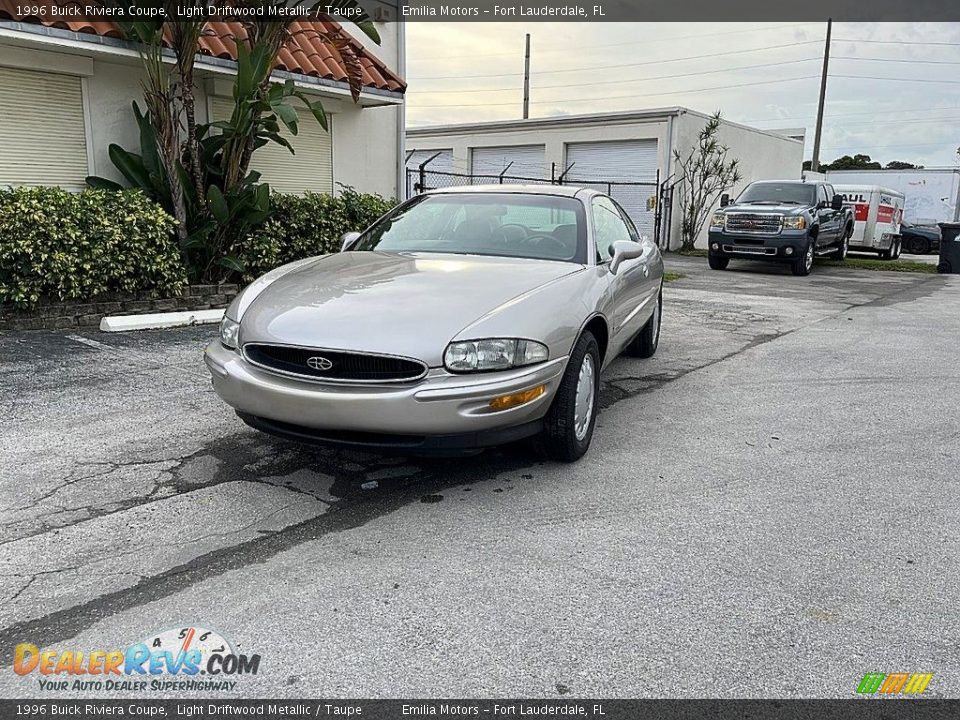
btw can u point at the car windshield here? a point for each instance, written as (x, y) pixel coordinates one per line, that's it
(539, 227)
(768, 193)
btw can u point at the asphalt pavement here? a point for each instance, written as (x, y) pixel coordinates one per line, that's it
(769, 509)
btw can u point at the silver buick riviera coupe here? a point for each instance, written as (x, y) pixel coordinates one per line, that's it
(463, 318)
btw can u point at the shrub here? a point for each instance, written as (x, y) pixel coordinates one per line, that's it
(304, 225)
(75, 246)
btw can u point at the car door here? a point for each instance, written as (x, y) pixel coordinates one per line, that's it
(632, 285)
(829, 218)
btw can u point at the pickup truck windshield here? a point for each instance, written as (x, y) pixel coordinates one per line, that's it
(768, 193)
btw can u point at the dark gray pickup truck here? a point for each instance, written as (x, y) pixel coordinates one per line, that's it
(790, 221)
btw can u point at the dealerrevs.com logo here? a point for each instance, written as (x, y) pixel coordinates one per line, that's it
(894, 683)
(179, 659)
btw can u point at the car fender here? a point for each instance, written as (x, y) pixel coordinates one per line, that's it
(553, 313)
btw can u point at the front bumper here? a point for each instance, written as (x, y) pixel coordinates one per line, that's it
(441, 404)
(760, 247)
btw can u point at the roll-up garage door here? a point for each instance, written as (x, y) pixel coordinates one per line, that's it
(42, 135)
(628, 161)
(310, 168)
(486, 163)
(437, 173)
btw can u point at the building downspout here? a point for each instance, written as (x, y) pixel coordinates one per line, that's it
(667, 177)
(402, 111)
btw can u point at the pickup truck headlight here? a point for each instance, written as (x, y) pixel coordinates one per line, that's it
(719, 220)
(229, 329)
(794, 223)
(493, 354)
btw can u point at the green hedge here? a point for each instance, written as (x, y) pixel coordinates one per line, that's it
(305, 225)
(75, 246)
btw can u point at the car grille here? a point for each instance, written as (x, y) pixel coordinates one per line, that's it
(333, 364)
(749, 250)
(756, 223)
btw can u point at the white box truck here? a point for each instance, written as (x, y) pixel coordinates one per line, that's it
(877, 214)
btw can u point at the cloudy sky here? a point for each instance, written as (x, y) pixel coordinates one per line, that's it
(893, 92)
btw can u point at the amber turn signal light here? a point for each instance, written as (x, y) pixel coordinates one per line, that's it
(505, 402)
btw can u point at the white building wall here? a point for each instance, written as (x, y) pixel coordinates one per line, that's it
(554, 137)
(366, 139)
(763, 155)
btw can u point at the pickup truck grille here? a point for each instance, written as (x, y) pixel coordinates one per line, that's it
(754, 223)
(334, 365)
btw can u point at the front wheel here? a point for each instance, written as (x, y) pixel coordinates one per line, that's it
(841, 253)
(568, 426)
(717, 262)
(803, 264)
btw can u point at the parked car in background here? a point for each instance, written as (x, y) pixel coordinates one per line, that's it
(463, 318)
(878, 213)
(783, 220)
(920, 239)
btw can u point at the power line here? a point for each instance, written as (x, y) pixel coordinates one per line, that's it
(644, 41)
(899, 42)
(868, 112)
(514, 88)
(619, 97)
(612, 67)
(893, 79)
(893, 60)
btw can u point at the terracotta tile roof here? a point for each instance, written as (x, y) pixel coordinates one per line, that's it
(304, 53)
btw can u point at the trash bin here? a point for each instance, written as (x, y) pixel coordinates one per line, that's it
(949, 248)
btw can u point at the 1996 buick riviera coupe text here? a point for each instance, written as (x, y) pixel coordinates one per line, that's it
(463, 318)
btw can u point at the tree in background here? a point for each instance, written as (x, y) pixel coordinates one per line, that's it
(704, 174)
(862, 162)
(200, 173)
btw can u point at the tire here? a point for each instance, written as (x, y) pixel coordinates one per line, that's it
(893, 252)
(944, 267)
(644, 345)
(563, 438)
(897, 248)
(717, 262)
(804, 264)
(918, 245)
(841, 252)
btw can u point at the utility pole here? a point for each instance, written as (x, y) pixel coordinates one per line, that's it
(815, 162)
(526, 79)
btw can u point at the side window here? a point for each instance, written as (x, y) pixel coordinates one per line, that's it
(631, 228)
(830, 192)
(821, 193)
(608, 227)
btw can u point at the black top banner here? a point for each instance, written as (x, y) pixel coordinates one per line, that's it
(48, 11)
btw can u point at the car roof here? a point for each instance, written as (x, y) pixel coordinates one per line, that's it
(789, 182)
(547, 189)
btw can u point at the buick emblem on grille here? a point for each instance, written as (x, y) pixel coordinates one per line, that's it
(318, 362)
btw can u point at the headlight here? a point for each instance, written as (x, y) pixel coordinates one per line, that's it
(229, 329)
(794, 223)
(718, 220)
(493, 354)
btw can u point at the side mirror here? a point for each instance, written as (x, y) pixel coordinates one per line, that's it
(837, 203)
(348, 239)
(624, 250)
(724, 200)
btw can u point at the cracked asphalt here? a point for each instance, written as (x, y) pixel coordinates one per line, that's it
(769, 509)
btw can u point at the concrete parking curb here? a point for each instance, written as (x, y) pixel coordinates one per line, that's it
(153, 321)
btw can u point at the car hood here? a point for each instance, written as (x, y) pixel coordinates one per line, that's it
(767, 209)
(410, 304)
